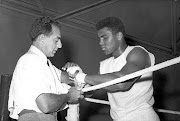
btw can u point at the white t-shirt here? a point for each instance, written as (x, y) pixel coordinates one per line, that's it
(139, 97)
(32, 77)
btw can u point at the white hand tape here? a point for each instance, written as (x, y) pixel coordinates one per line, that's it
(73, 69)
(80, 77)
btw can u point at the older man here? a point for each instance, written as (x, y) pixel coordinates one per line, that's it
(38, 89)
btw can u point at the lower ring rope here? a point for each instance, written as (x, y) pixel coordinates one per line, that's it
(135, 74)
(168, 111)
(107, 103)
(97, 101)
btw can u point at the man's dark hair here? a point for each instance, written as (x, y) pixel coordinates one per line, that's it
(114, 24)
(42, 25)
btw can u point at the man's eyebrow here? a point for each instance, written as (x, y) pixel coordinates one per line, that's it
(58, 37)
(102, 36)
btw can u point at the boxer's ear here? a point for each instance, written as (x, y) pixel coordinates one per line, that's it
(119, 35)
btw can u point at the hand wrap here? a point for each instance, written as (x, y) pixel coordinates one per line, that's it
(76, 74)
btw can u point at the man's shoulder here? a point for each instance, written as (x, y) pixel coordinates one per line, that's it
(140, 54)
(29, 57)
(137, 50)
(140, 48)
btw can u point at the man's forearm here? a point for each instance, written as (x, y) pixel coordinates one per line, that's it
(49, 103)
(98, 79)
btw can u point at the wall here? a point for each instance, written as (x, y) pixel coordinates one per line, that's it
(13, 42)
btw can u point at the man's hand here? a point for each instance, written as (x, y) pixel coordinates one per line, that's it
(74, 70)
(77, 76)
(74, 94)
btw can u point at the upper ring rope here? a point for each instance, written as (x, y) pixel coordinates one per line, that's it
(135, 74)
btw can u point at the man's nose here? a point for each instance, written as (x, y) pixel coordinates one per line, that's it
(101, 42)
(59, 45)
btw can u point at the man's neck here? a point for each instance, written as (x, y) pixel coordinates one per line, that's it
(120, 50)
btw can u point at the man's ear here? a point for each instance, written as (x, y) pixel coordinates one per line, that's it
(41, 38)
(119, 35)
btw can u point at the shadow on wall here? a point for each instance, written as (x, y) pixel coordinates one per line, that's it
(159, 83)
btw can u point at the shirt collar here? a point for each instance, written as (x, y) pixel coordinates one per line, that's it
(38, 52)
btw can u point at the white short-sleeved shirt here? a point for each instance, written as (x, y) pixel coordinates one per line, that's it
(32, 77)
(138, 98)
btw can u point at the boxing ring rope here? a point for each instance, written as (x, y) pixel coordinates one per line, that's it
(135, 74)
(107, 103)
(74, 115)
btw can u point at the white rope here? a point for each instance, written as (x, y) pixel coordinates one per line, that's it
(107, 103)
(135, 74)
(168, 111)
(97, 101)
